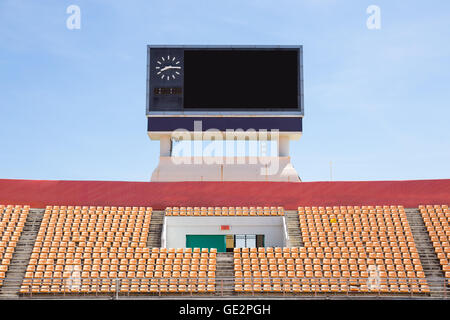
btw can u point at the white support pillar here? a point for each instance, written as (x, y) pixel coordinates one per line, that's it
(283, 146)
(165, 146)
(276, 167)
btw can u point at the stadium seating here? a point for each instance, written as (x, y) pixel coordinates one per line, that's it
(437, 219)
(12, 221)
(354, 242)
(224, 211)
(346, 250)
(266, 270)
(103, 250)
(363, 240)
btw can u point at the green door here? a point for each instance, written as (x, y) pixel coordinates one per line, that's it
(206, 241)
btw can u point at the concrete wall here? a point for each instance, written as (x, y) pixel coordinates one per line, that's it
(175, 229)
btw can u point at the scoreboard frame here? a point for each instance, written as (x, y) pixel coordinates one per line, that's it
(152, 111)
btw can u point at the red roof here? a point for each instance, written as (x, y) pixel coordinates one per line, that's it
(39, 193)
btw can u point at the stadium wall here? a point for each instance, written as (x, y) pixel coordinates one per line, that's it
(177, 228)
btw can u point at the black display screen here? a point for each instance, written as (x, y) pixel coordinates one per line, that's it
(241, 79)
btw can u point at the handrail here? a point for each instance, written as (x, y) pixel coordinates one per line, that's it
(285, 231)
(222, 286)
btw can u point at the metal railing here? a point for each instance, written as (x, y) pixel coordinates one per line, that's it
(232, 286)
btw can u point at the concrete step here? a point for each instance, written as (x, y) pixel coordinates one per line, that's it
(225, 269)
(293, 229)
(155, 230)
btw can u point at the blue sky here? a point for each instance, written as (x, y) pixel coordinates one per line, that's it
(72, 102)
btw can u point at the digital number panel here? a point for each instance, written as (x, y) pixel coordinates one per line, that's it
(167, 91)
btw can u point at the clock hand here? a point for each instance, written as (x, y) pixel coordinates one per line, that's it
(170, 67)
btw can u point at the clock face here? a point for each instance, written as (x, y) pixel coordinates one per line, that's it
(168, 67)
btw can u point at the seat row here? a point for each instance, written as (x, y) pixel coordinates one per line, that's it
(224, 211)
(124, 286)
(342, 253)
(62, 209)
(364, 209)
(305, 285)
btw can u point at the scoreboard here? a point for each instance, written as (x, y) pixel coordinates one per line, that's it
(225, 79)
(231, 83)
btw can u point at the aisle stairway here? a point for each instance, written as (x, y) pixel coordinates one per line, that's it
(156, 224)
(225, 272)
(293, 229)
(21, 256)
(430, 262)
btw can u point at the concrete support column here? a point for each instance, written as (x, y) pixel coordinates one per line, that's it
(283, 146)
(165, 146)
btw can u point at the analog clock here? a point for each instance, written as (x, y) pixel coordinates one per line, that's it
(168, 67)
